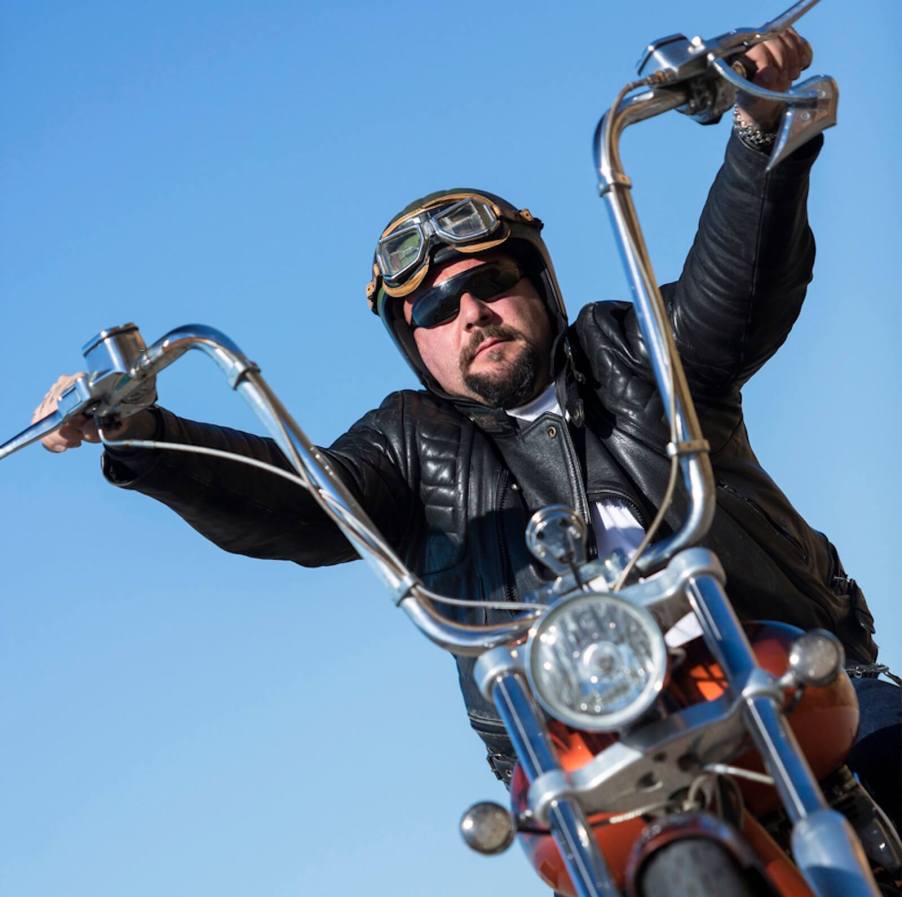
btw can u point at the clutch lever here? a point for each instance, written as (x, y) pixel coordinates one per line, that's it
(810, 108)
(116, 387)
(675, 58)
(714, 70)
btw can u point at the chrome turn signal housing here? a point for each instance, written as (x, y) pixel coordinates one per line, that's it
(487, 828)
(816, 658)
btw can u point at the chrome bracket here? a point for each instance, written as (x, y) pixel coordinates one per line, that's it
(494, 663)
(404, 588)
(689, 447)
(655, 761)
(545, 790)
(761, 684)
(664, 594)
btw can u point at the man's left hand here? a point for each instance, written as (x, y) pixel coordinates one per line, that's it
(779, 61)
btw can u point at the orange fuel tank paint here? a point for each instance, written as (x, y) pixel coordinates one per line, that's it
(824, 722)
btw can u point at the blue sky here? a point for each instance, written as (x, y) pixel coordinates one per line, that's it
(177, 720)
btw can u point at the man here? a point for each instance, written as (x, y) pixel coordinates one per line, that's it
(521, 409)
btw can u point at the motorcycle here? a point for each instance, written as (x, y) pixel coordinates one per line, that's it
(645, 766)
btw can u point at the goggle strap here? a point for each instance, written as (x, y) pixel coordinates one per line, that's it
(447, 199)
(406, 288)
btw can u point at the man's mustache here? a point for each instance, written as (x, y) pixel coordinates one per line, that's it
(490, 331)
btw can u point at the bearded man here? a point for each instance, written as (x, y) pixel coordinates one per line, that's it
(521, 409)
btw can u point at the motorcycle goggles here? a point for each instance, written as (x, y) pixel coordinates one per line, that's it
(467, 222)
(486, 282)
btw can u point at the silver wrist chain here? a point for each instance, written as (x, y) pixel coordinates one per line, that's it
(752, 135)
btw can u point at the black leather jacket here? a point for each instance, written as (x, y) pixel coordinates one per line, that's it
(452, 484)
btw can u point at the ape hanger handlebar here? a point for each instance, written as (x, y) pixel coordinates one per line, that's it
(122, 381)
(700, 78)
(694, 76)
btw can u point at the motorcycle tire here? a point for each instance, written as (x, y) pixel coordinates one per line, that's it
(693, 867)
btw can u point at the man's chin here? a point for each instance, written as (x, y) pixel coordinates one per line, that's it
(506, 383)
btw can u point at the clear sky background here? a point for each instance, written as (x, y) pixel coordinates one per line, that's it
(175, 720)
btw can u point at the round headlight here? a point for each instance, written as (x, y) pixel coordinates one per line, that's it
(596, 662)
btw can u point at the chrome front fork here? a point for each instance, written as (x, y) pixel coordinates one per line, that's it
(823, 843)
(525, 725)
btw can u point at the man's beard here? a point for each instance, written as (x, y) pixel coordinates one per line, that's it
(515, 383)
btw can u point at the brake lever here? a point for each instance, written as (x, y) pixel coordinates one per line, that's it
(115, 387)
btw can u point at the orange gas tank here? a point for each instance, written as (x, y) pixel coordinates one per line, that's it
(824, 722)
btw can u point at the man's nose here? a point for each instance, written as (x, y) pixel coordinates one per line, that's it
(474, 312)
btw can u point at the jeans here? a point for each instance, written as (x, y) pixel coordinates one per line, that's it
(876, 756)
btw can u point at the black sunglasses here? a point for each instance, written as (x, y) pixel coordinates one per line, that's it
(441, 303)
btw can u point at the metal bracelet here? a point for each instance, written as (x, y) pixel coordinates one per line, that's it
(753, 136)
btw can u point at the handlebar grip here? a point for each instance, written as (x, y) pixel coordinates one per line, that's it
(744, 67)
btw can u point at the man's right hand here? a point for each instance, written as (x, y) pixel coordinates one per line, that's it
(84, 428)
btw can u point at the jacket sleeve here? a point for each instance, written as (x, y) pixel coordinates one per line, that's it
(746, 275)
(250, 511)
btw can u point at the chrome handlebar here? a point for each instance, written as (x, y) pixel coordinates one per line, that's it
(109, 356)
(122, 380)
(694, 76)
(699, 78)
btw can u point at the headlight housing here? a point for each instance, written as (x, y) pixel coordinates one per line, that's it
(596, 662)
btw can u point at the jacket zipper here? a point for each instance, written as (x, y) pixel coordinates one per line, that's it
(574, 472)
(509, 592)
(779, 530)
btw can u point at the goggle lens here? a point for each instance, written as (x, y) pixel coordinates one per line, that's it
(486, 282)
(462, 222)
(401, 251)
(465, 221)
